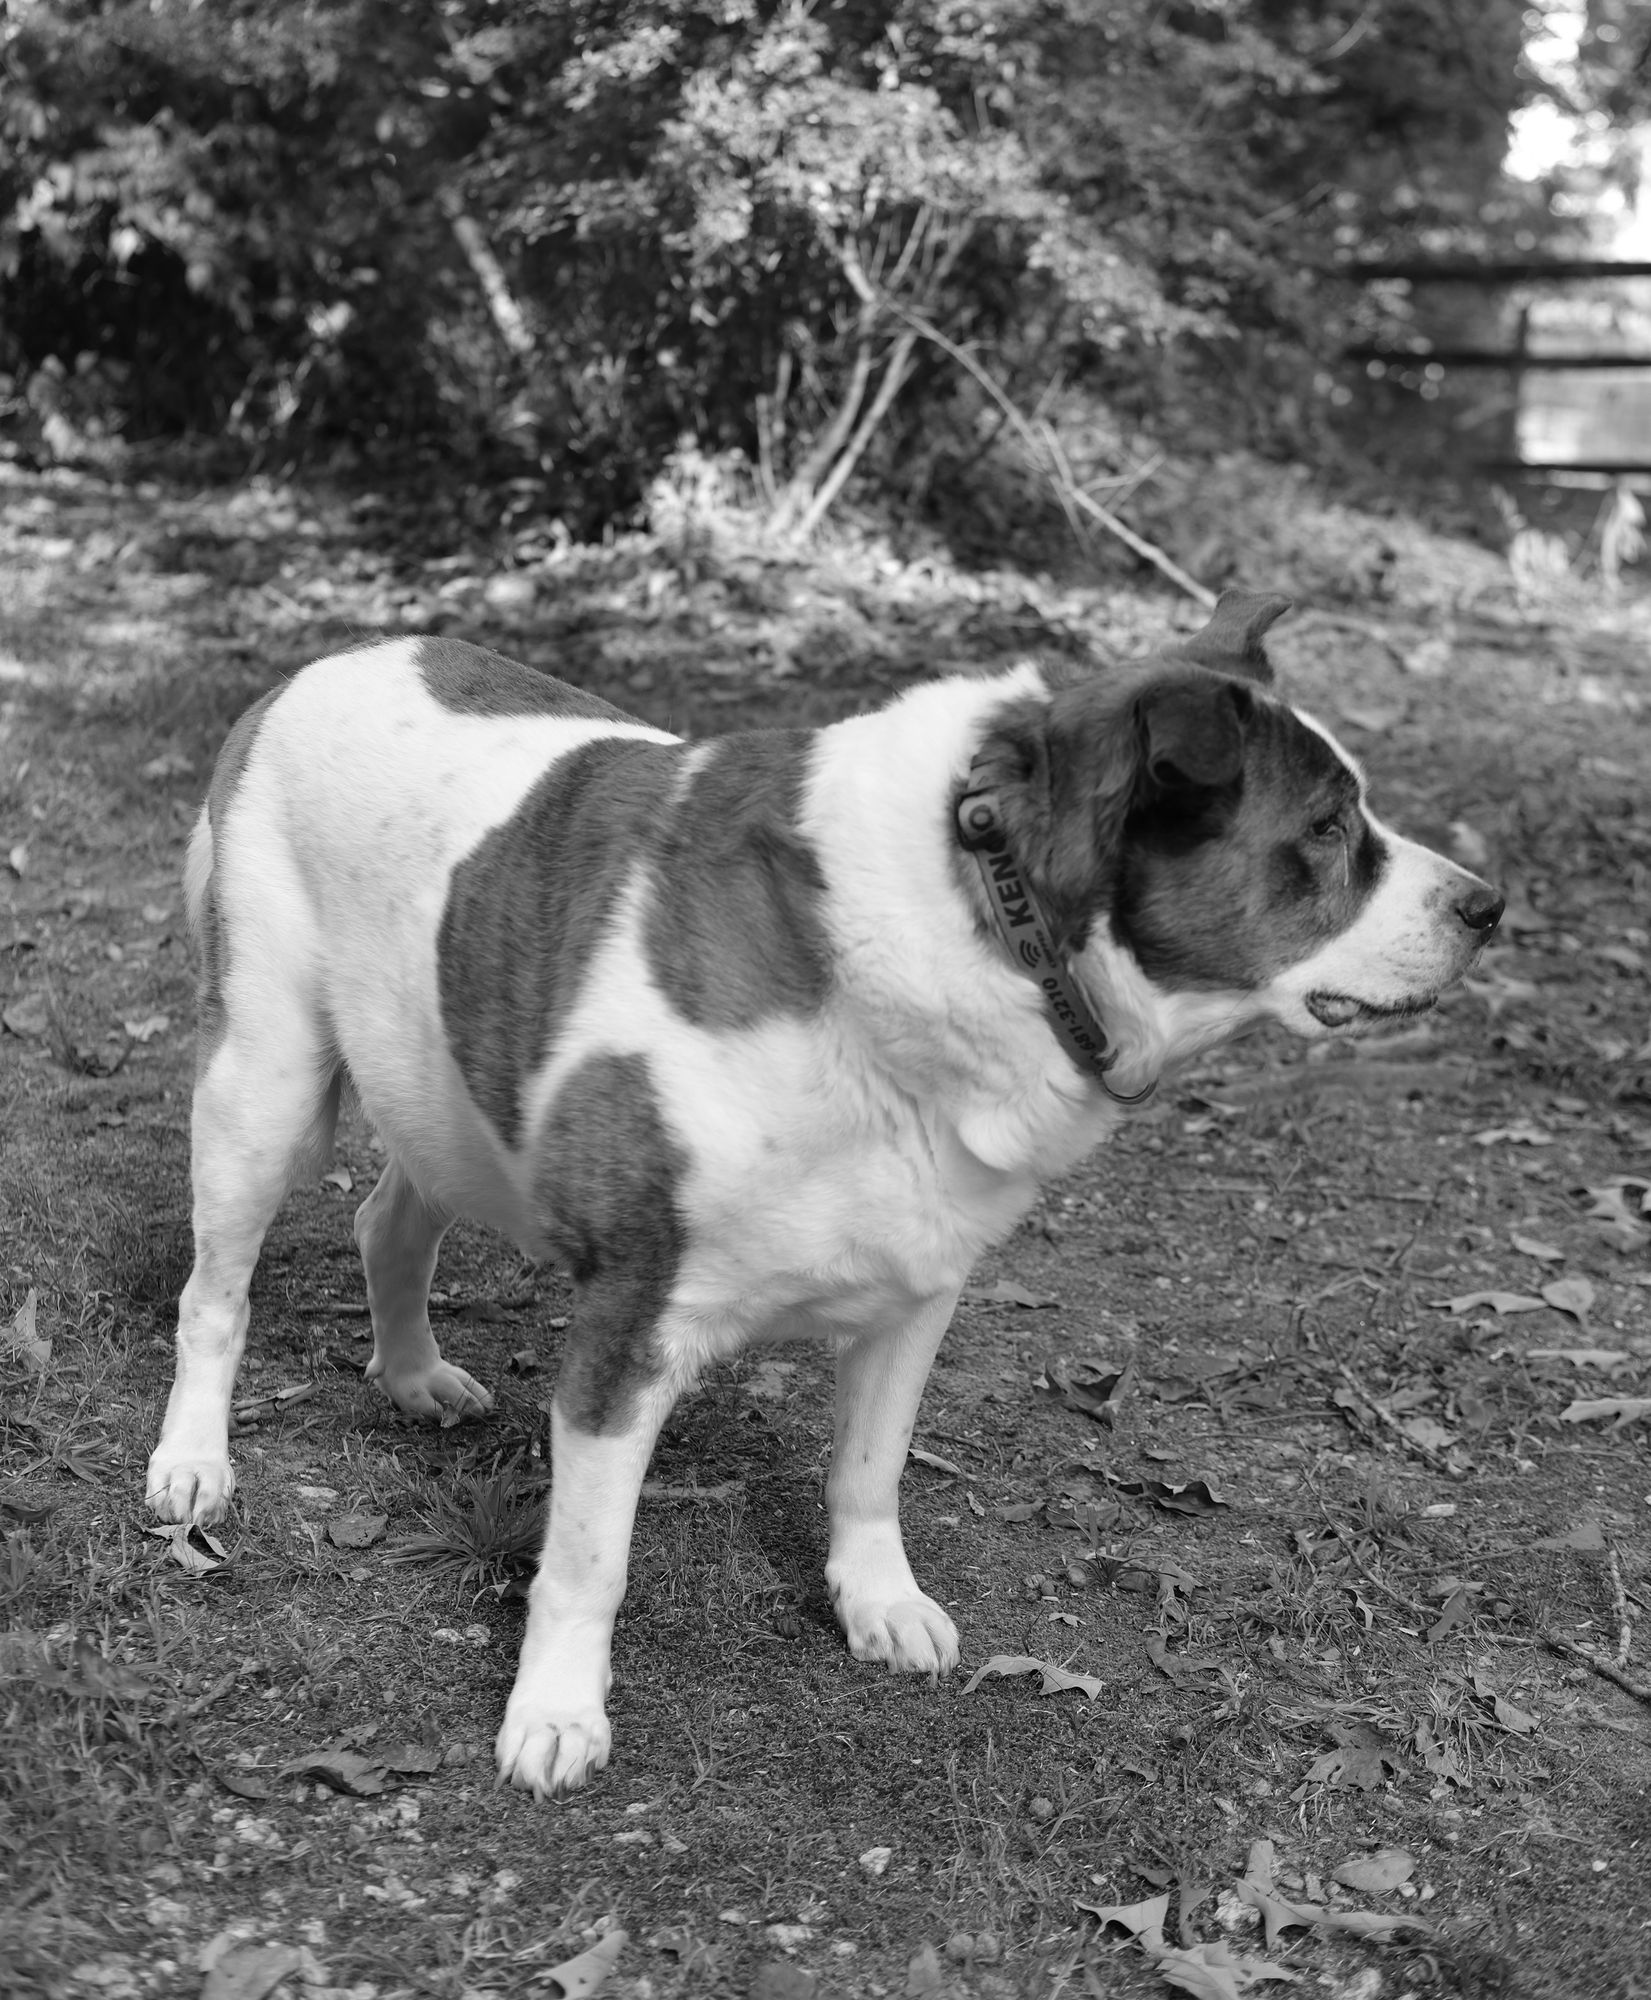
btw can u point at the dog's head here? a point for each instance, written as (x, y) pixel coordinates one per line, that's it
(1182, 825)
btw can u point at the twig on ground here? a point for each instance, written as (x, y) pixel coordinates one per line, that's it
(1423, 1451)
(1625, 1629)
(1603, 1667)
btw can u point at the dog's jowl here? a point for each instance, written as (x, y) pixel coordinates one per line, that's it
(760, 1038)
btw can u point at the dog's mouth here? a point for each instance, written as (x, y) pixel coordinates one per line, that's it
(1341, 1010)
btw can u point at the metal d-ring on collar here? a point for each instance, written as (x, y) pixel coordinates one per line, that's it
(1026, 937)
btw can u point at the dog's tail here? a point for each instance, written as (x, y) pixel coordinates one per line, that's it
(197, 874)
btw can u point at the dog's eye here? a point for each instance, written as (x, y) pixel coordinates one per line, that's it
(1328, 828)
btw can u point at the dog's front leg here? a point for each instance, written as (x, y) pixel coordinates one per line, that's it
(885, 1615)
(555, 1730)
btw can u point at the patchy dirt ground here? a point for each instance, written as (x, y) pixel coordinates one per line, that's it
(1305, 1429)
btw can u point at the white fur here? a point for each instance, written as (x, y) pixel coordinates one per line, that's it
(845, 1171)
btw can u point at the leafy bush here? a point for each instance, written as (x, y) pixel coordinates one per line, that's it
(568, 237)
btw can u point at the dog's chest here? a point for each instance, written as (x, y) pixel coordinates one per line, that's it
(844, 1230)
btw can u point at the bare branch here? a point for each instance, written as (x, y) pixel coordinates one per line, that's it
(507, 315)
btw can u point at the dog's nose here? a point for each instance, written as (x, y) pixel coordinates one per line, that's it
(1481, 908)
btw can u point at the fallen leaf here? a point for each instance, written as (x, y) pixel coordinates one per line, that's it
(356, 1531)
(244, 1784)
(340, 1178)
(1587, 1536)
(1144, 1920)
(936, 1463)
(26, 1017)
(525, 1361)
(412, 1760)
(181, 1539)
(1373, 715)
(1362, 1758)
(1626, 1410)
(1256, 1889)
(344, 1770)
(17, 858)
(1515, 1720)
(1005, 1294)
(250, 1971)
(1499, 1303)
(24, 1338)
(1430, 1435)
(1458, 1610)
(1545, 1253)
(1177, 1667)
(875, 1861)
(1584, 1357)
(1377, 1874)
(1613, 1207)
(1195, 1496)
(1016, 1510)
(574, 1978)
(1570, 1295)
(1090, 1391)
(148, 1027)
(1522, 1134)
(1056, 1680)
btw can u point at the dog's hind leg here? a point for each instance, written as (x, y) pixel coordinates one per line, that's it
(266, 1101)
(883, 1613)
(400, 1233)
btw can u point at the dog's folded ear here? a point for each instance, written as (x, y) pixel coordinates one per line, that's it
(1231, 641)
(1193, 733)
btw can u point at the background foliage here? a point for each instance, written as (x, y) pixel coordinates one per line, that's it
(555, 242)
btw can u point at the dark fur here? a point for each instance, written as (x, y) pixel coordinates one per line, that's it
(607, 1189)
(469, 680)
(526, 909)
(734, 932)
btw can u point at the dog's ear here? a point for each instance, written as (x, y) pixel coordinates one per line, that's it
(1193, 733)
(1068, 772)
(1231, 641)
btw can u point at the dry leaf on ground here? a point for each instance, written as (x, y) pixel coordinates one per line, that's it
(23, 1337)
(357, 1531)
(1376, 1874)
(1499, 1303)
(250, 1971)
(1570, 1295)
(574, 1978)
(1056, 1680)
(1005, 1294)
(1625, 1409)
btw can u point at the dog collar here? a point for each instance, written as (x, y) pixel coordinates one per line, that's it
(1029, 942)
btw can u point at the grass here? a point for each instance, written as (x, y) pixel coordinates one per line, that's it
(1267, 1247)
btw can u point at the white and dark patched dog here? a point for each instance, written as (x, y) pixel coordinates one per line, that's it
(765, 1036)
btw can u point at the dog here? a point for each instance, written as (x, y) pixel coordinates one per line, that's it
(765, 1036)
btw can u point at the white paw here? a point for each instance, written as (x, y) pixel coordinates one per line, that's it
(550, 1751)
(911, 1634)
(191, 1486)
(439, 1390)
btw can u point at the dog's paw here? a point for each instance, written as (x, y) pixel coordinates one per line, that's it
(911, 1635)
(550, 1753)
(439, 1390)
(190, 1486)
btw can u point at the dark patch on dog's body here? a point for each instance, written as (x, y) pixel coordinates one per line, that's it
(527, 907)
(606, 1188)
(211, 940)
(469, 680)
(734, 931)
